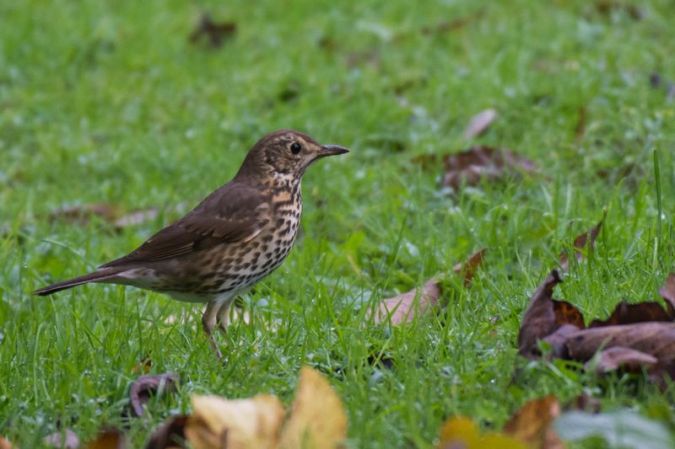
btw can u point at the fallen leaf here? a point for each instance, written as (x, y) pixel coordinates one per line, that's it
(467, 270)
(405, 307)
(235, 424)
(625, 313)
(544, 316)
(480, 123)
(66, 439)
(620, 429)
(170, 435)
(82, 214)
(136, 218)
(618, 357)
(462, 433)
(447, 26)
(585, 241)
(213, 33)
(426, 161)
(558, 341)
(532, 424)
(108, 439)
(318, 419)
(667, 292)
(145, 386)
(580, 128)
(5, 444)
(606, 7)
(480, 163)
(143, 367)
(656, 339)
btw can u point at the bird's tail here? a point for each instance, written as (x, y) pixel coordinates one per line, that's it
(96, 276)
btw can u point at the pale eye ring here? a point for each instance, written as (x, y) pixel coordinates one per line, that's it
(295, 148)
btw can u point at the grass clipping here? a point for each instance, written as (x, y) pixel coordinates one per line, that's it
(317, 419)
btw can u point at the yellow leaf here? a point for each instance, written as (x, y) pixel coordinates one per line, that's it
(318, 420)
(236, 424)
(462, 433)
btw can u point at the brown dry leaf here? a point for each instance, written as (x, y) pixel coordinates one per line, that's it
(467, 270)
(618, 357)
(667, 292)
(625, 313)
(580, 128)
(606, 7)
(252, 423)
(109, 439)
(405, 307)
(145, 386)
(82, 214)
(544, 316)
(66, 439)
(532, 424)
(656, 339)
(170, 435)
(480, 123)
(213, 33)
(143, 367)
(585, 241)
(427, 161)
(480, 163)
(558, 340)
(318, 419)
(5, 444)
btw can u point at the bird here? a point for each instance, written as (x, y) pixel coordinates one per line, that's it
(232, 239)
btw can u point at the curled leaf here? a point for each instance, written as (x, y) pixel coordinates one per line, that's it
(625, 313)
(145, 386)
(467, 270)
(170, 435)
(618, 357)
(480, 123)
(656, 339)
(544, 316)
(581, 242)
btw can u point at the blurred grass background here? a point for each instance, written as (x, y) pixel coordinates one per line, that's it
(110, 102)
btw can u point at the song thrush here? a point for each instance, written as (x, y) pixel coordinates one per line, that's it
(231, 240)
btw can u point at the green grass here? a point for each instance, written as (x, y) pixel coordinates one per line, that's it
(108, 101)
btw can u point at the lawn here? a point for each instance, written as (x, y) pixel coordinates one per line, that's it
(110, 102)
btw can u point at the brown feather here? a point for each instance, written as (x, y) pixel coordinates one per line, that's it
(233, 213)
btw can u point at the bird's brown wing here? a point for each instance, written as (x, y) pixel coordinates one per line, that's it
(234, 213)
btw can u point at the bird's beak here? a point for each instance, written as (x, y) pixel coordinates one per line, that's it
(332, 150)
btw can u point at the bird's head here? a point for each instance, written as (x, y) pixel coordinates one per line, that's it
(285, 153)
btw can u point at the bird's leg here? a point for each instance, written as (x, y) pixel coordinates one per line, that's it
(209, 320)
(223, 316)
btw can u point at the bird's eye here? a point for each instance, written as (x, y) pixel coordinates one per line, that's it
(295, 147)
